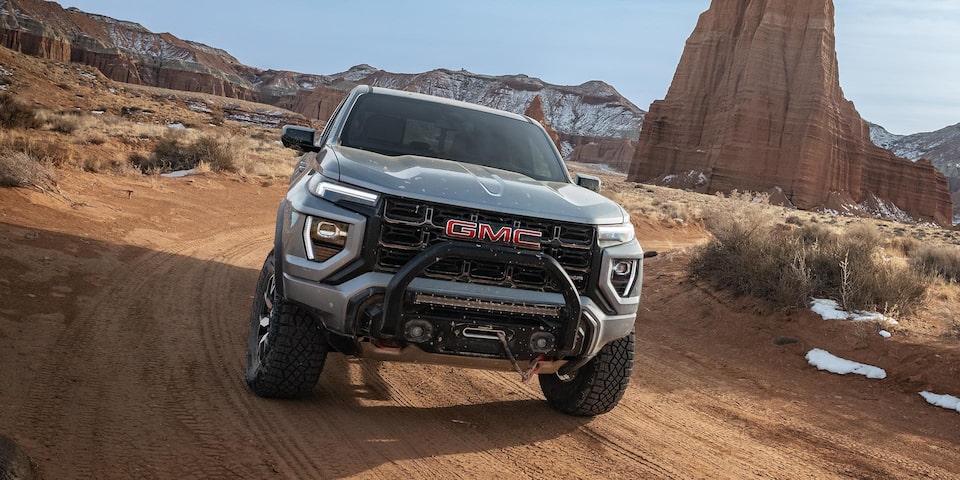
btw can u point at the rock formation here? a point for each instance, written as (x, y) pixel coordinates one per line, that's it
(616, 153)
(122, 51)
(127, 52)
(941, 147)
(756, 103)
(535, 111)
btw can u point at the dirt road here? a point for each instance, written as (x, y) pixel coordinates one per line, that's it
(123, 310)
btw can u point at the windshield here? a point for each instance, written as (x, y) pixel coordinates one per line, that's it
(394, 126)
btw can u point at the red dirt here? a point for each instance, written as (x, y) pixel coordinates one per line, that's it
(123, 316)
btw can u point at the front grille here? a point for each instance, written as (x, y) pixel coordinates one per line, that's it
(410, 226)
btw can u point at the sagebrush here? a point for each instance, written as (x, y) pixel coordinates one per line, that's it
(753, 253)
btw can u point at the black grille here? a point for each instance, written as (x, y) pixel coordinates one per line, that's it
(410, 226)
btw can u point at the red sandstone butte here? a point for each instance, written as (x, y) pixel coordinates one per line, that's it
(756, 103)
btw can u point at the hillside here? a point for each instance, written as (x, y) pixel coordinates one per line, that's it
(940, 147)
(125, 51)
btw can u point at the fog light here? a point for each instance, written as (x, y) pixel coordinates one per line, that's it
(418, 331)
(542, 342)
(324, 238)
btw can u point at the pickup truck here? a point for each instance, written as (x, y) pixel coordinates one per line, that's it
(427, 230)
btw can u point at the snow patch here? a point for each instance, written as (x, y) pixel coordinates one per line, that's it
(830, 310)
(179, 173)
(946, 401)
(824, 360)
(199, 107)
(885, 334)
(176, 126)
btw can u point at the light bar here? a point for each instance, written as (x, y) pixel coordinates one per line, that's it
(543, 310)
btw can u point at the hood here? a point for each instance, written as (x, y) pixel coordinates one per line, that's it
(470, 186)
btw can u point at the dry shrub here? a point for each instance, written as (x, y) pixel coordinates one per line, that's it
(96, 164)
(19, 169)
(906, 245)
(51, 153)
(179, 150)
(937, 260)
(651, 204)
(16, 114)
(751, 253)
(64, 124)
(262, 157)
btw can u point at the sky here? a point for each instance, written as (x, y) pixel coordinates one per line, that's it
(899, 60)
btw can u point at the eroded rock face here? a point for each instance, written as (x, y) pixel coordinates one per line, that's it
(535, 111)
(127, 52)
(756, 103)
(122, 51)
(616, 153)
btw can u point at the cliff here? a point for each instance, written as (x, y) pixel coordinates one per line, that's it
(941, 147)
(127, 52)
(122, 51)
(756, 104)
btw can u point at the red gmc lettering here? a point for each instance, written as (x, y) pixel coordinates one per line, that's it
(461, 229)
(526, 238)
(486, 233)
(482, 231)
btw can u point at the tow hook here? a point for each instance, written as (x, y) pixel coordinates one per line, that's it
(534, 368)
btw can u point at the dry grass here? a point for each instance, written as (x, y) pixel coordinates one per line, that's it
(217, 151)
(937, 260)
(16, 114)
(19, 169)
(753, 253)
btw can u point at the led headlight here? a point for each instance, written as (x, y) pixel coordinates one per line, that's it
(324, 238)
(336, 192)
(623, 276)
(611, 235)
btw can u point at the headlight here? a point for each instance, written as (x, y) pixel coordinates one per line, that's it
(623, 276)
(324, 238)
(336, 192)
(611, 235)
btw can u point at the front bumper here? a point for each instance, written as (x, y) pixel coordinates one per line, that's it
(342, 307)
(374, 311)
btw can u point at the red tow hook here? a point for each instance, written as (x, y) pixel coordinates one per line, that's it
(525, 376)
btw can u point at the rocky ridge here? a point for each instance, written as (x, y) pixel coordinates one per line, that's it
(941, 147)
(756, 104)
(126, 51)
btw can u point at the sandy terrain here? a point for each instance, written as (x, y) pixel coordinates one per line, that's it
(123, 316)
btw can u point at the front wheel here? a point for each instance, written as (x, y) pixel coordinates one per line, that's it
(596, 387)
(286, 347)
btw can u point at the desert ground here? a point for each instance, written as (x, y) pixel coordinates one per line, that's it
(124, 305)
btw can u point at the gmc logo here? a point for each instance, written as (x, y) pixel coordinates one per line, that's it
(482, 231)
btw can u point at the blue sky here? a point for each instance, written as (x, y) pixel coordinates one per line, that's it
(899, 61)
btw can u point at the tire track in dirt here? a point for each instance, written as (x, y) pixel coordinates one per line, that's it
(224, 343)
(81, 413)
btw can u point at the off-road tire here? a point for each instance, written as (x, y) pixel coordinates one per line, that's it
(596, 387)
(291, 359)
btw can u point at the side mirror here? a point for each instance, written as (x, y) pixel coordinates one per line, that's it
(588, 181)
(299, 138)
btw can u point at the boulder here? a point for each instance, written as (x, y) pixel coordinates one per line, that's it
(14, 462)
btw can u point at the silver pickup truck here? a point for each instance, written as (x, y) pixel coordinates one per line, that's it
(422, 229)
